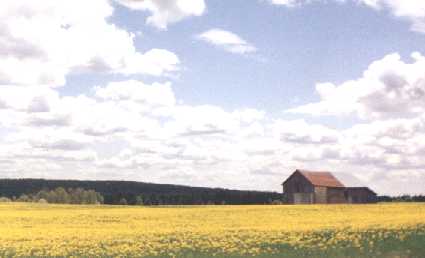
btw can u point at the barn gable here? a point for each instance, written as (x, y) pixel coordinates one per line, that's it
(298, 189)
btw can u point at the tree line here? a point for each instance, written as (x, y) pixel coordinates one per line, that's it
(59, 195)
(402, 198)
(138, 193)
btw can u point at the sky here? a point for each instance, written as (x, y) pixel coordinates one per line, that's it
(235, 94)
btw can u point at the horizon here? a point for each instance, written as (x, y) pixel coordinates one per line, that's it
(183, 185)
(192, 93)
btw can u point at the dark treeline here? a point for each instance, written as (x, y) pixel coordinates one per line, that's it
(402, 198)
(137, 193)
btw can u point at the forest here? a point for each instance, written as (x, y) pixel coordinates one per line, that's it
(132, 193)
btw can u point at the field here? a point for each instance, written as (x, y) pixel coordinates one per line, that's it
(382, 230)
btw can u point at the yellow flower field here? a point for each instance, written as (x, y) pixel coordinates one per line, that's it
(43, 230)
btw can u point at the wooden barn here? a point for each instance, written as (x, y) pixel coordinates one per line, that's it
(309, 187)
(360, 195)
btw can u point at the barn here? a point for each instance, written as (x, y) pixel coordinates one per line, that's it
(310, 187)
(360, 195)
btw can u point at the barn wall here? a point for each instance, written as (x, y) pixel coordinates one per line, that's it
(296, 184)
(320, 194)
(303, 198)
(336, 195)
(361, 195)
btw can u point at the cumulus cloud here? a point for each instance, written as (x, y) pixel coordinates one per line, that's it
(410, 10)
(142, 131)
(156, 94)
(46, 41)
(227, 40)
(165, 12)
(389, 88)
(50, 119)
(413, 11)
(32, 100)
(300, 132)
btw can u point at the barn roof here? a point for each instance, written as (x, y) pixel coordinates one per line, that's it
(320, 178)
(364, 188)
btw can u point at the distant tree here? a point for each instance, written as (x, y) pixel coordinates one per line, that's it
(43, 194)
(91, 197)
(139, 200)
(147, 200)
(61, 195)
(276, 202)
(76, 195)
(100, 199)
(5, 199)
(42, 201)
(51, 197)
(123, 201)
(24, 198)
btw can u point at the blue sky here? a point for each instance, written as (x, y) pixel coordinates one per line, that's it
(203, 92)
(297, 47)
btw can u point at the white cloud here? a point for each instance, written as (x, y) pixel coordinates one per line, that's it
(288, 3)
(154, 95)
(389, 88)
(411, 10)
(227, 40)
(141, 131)
(164, 12)
(48, 40)
(154, 62)
(30, 100)
(300, 132)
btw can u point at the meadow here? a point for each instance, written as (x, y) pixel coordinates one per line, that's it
(46, 230)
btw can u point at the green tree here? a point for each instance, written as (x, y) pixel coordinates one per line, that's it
(61, 195)
(123, 201)
(24, 198)
(91, 197)
(139, 200)
(43, 194)
(5, 199)
(42, 201)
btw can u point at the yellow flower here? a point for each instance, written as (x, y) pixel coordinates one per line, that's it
(28, 230)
